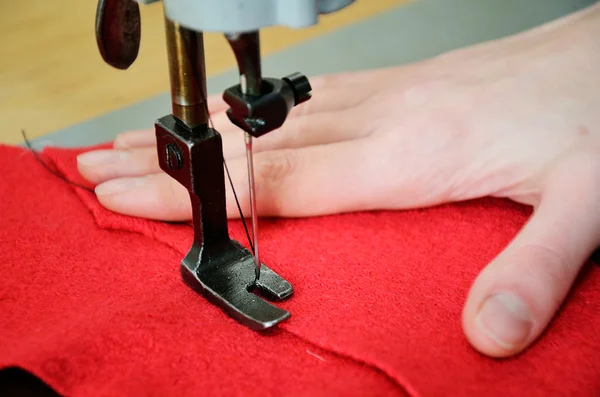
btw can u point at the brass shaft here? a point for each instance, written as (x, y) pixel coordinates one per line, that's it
(187, 74)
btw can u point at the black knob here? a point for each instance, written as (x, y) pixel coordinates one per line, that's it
(300, 86)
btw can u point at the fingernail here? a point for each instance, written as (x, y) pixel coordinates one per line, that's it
(102, 157)
(120, 185)
(119, 142)
(506, 319)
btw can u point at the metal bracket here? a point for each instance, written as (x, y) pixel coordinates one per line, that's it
(217, 267)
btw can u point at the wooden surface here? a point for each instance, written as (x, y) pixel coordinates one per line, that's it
(52, 76)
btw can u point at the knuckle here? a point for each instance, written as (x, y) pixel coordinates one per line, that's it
(546, 267)
(272, 172)
(274, 168)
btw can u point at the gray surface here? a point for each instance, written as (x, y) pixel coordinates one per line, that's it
(230, 16)
(406, 34)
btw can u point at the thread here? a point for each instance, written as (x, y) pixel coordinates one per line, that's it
(68, 181)
(237, 201)
(47, 167)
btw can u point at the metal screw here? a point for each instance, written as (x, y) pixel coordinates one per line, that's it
(174, 160)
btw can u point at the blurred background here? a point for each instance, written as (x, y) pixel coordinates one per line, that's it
(54, 84)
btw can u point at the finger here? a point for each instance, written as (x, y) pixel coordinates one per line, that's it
(516, 296)
(360, 77)
(302, 182)
(335, 97)
(146, 137)
(298, 132)
(325, 105)
(152, 196)
(135, 139)
(330, 93)
(101, 165)
(327, 99)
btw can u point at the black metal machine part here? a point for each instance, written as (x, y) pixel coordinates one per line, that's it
(217, 267)
(191, 152)
(267, 102)
(118, 31)
(260, 114)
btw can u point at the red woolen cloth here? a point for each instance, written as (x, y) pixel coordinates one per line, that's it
(92, 302)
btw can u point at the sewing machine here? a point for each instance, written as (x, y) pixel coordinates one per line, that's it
(190, 150)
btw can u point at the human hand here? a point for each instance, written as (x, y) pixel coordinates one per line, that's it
(517, 118)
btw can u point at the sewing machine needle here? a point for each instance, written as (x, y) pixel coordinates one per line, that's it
(251, 184)
(253, 203)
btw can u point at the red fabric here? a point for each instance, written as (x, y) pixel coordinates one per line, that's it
(92, 302)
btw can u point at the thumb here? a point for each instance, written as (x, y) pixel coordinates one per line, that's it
(516, 296)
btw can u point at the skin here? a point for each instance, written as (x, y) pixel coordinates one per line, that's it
(517, 118)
